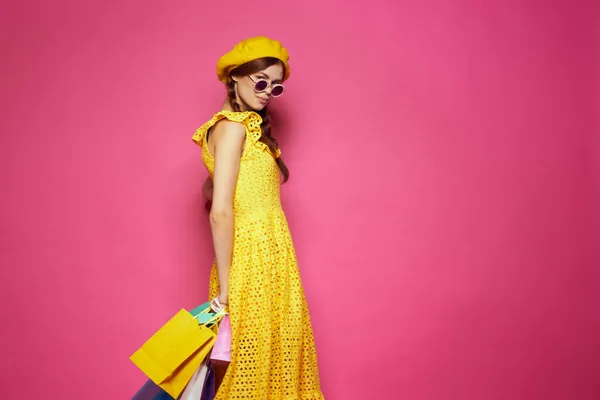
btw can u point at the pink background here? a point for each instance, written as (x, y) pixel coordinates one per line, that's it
(445, 174)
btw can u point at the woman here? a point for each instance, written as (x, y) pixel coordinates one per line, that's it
(255, 273)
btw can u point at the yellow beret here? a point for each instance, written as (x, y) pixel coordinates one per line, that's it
(249, 50)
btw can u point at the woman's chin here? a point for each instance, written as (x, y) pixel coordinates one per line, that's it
(258, 106)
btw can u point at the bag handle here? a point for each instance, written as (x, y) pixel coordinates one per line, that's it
(215, 318)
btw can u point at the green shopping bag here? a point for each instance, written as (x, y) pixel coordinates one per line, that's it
(205, 315)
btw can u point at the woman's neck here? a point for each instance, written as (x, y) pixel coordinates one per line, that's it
(228, 107)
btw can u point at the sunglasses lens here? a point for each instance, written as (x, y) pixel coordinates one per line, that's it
(277, 91)
(261, 85)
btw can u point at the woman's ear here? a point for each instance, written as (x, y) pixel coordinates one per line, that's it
(234, 78)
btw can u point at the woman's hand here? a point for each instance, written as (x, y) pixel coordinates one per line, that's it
(219, 302)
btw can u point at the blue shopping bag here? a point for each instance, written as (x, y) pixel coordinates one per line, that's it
(209, 392)
(151, 391)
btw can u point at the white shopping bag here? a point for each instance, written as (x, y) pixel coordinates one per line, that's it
(193, 390)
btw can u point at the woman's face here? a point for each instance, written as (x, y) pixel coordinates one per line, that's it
(245, 87)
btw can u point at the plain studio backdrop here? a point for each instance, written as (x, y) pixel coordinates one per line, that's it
(444, 191)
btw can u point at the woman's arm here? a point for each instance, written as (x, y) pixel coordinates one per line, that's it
(228, 138)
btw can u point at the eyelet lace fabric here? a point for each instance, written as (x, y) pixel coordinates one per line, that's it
(273, 352)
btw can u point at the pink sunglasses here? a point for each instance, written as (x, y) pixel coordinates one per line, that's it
(261, 85)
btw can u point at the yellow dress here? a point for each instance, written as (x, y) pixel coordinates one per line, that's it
(272, 345)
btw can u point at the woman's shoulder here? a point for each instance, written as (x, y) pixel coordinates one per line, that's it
(251, 121)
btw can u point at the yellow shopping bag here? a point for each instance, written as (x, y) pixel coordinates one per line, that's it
(172, 355)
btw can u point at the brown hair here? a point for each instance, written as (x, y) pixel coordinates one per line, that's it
(246, 69)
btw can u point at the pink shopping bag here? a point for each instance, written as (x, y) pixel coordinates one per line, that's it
(221, 352)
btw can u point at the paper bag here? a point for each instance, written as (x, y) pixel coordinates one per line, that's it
(172, 355)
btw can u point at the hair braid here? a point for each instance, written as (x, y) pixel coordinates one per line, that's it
(265, 128)
(270, 141)
(231, 95)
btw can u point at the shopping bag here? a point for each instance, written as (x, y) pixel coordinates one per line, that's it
(209, 391)
(193, 390)
(172, 355)
(162, 395)
(151, 391)
(203, 313)
(148, 391)
(202, 308)
(207, 316)
(221, 352)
